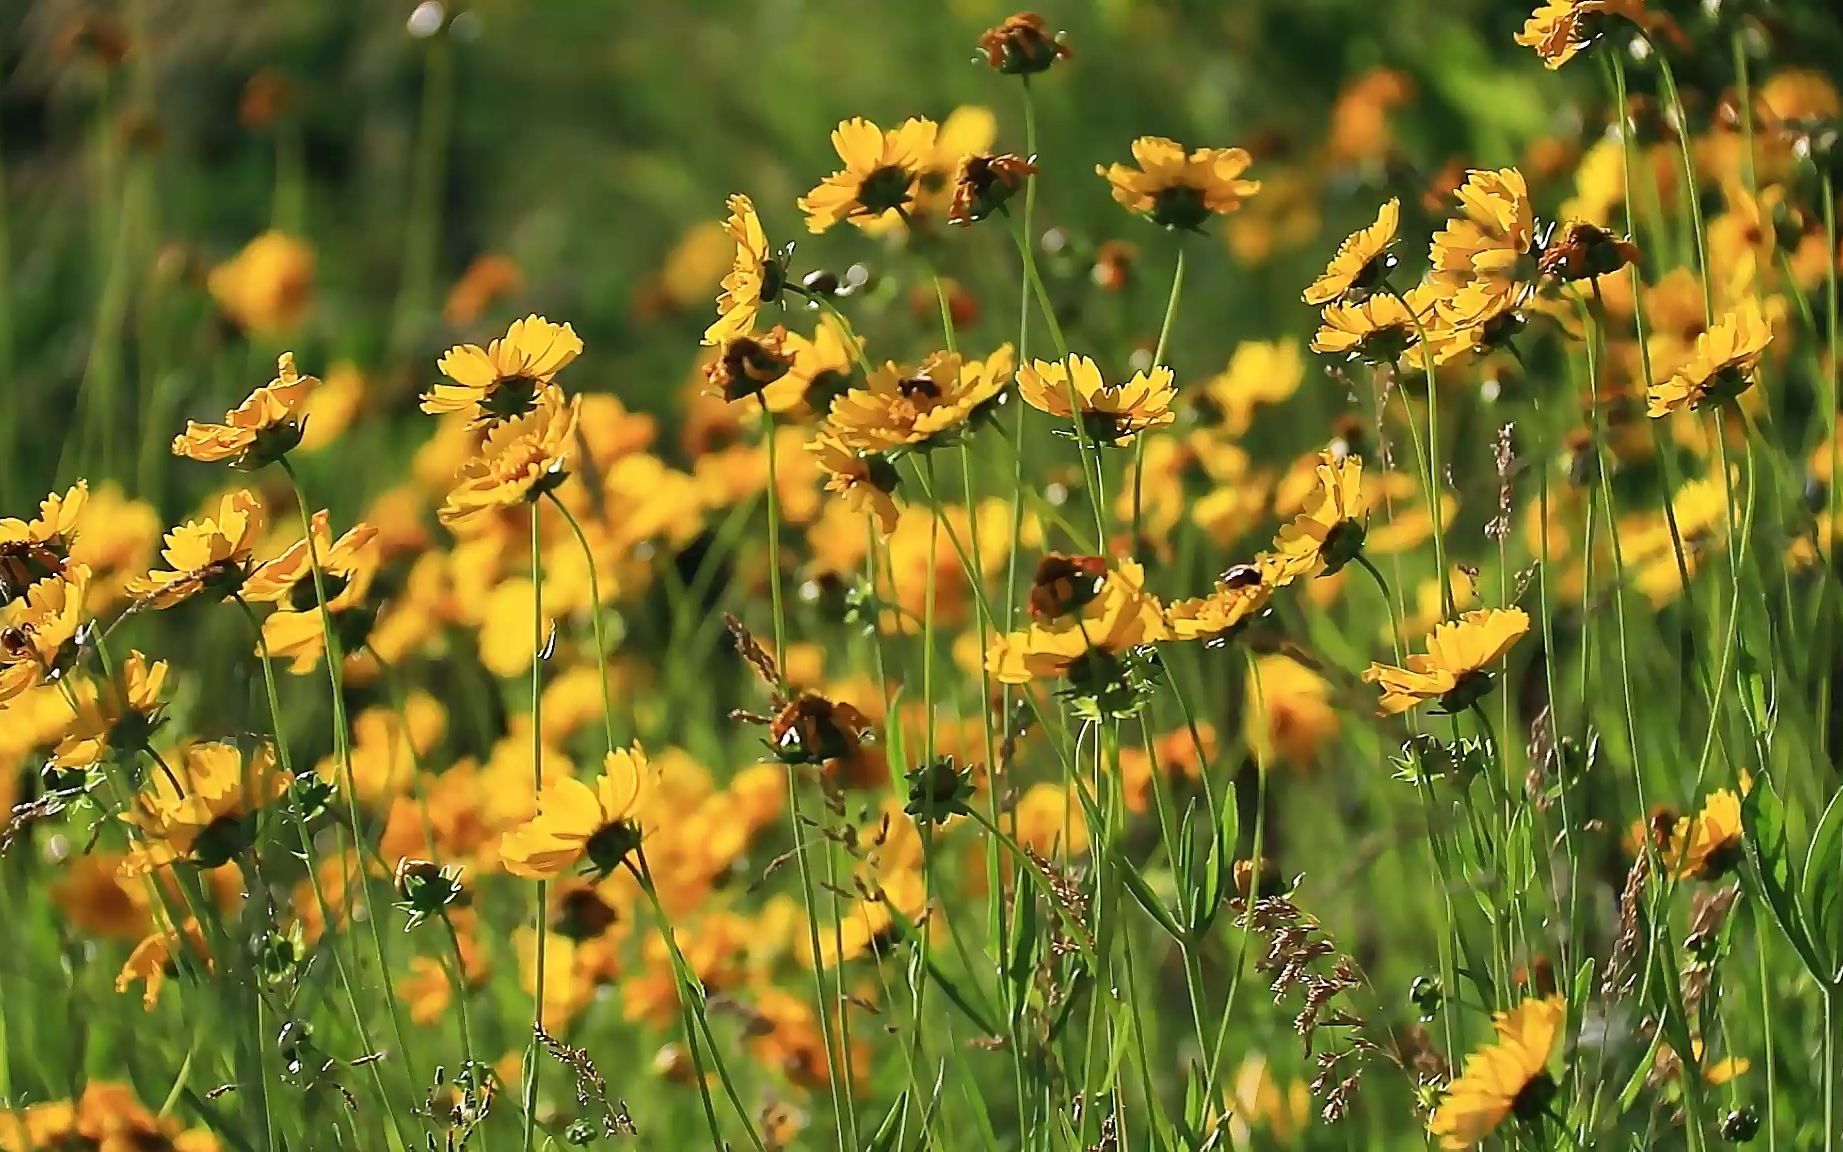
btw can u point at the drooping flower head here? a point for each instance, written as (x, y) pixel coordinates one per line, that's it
(1181, 190)
(1455, 670)
(1722, 366)
(522, 458)
(1361, 261)
(507, 377)
(1328, 535)
(1583, 251)
(206, 812)
(757, 276)
(595, 827)
(1022, 44)
(210, 554)
(1559, 29)
(880, 174)
(984, 184)
(1508, 1077)
(347, 566)
(747, 365)
(36, 549)
(865, 481)
(259, 431)
(903, 409)
(1111, 414)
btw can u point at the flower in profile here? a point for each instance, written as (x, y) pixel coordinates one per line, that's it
(1216, 619)
(37, 549)
(1454, 671)
(115, 719)
(1482, 260)
(756, 275)
(150, 962)
(347, 567)
(900, 409)
(1706, 846)
(1584, 251)
(1111, 414)
(40, 633)
(1508, 1077)
(1361, 261)
(1376, 330)
(522, 459)
(1321, 540)
(1721, 367)
(984, 183)
(205, 811)
(210, 554)
(259, 431)
(880, 174)
(266, 287)
(1181, 190)
(1022, 45)
(1558, 29)
(597, 827)
(813, 729)
(865, 481)
(746, 365)
(508, 377)
(1085, 615)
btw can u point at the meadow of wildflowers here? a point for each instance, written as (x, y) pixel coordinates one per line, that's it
(1165, 576)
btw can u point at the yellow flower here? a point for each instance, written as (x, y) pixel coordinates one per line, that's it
(749, 365)
(1091, 611)
(968, 131)
(1323, 539)
(508, 377)
(1179, 190)
(1378, 329)
(576, 823)
(32, 550)
(1558, 29)
(1505, 1078)
(346, 567)
(333, 406)
(39, 633)
(1049, 819)
(1289, 712)
(1482, 260)
(1720, 369)
(211, 553)
(881, 173)
(522, 458)
(1259, 373)
(900, 409)
(118, 720)
(1454, 669)
(1237, 598)
(157, 955)
(206, 811)
(820, 371)
(864, 481)
(1706, 846)
(1110, 413)
(1360, 262)
(756, 276)
(266, 287)
(261, 430)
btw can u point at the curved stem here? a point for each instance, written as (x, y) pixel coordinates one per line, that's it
(533, 1054)
(595, 613)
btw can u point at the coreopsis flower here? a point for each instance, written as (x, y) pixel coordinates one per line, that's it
(1238, 597)
(1482, 261)
(1361, 261)
(1022, 45)
(813, 729)
(880, 174)
(116, 718)
(508, 377)
(1706, 846)
(757, 276)
(1110, 414)
(204, 811)
(898, 409)
(33, 550)
(259, 431)
(984, 183)
(1084, 613)
(1288, 711)
(1181, 190)
(521, 459)
(865, 481)
(210, 554)
(1506, 1078)
(747, 365)
(1454, 672)
(1321, 540)
(40, 632)
(266, 287)
(1584, 251)
(347, 567)
(1558, 29)
(821, 370)
(157, 955)
(1379, 329)
(1720, 368)
(597, 827)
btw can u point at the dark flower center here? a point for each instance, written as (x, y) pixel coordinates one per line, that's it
(303, 597)
(1180, 208)
(1532, 1100)
(611, 844)
(223, 839)
(511, 396)
(1341, 545)
(1065, 584)
(1467, 691)
(924, 386)
(1385, 345)
(585, 915)
(884, 189)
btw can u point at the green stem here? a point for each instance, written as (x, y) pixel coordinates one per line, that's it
(595, 613)
(1158, 358)
(541, 925)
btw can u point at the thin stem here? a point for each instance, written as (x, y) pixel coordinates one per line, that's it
(541, 923)
(595, 612)
(1158, 358)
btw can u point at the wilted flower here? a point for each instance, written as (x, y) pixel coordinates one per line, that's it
(747, 365)
(1583, 251)
(983, 183)
(1022, 44)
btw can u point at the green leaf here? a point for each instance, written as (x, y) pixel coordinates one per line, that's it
(1023, 954)
(1763, 828)
(891, 1129)
(1821, 896)
(1146, 897)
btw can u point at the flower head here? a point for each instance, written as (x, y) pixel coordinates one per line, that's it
(1361, 261)
(1111, 414)
(747, 365)
(756, 276)
(212, 553)
(902, 409)
(1482, 260)
(596, 826)
(880, 174)
(1329, 535)
(39, 633)
(1238, 597)
(1455, 669)
(508, 377)
(1084, 613)
(1722, 366)
(1706, 846)
(1584, 251)
(267, 286)
(522, 458)
(206, 812)
(1558, 29)
(115, 718)
(261, 430)
(1376, 330)
(1509, 1077)
(865, 481)
(33, 550)
(1022, 44)
(1181, 190)
(984, 183)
